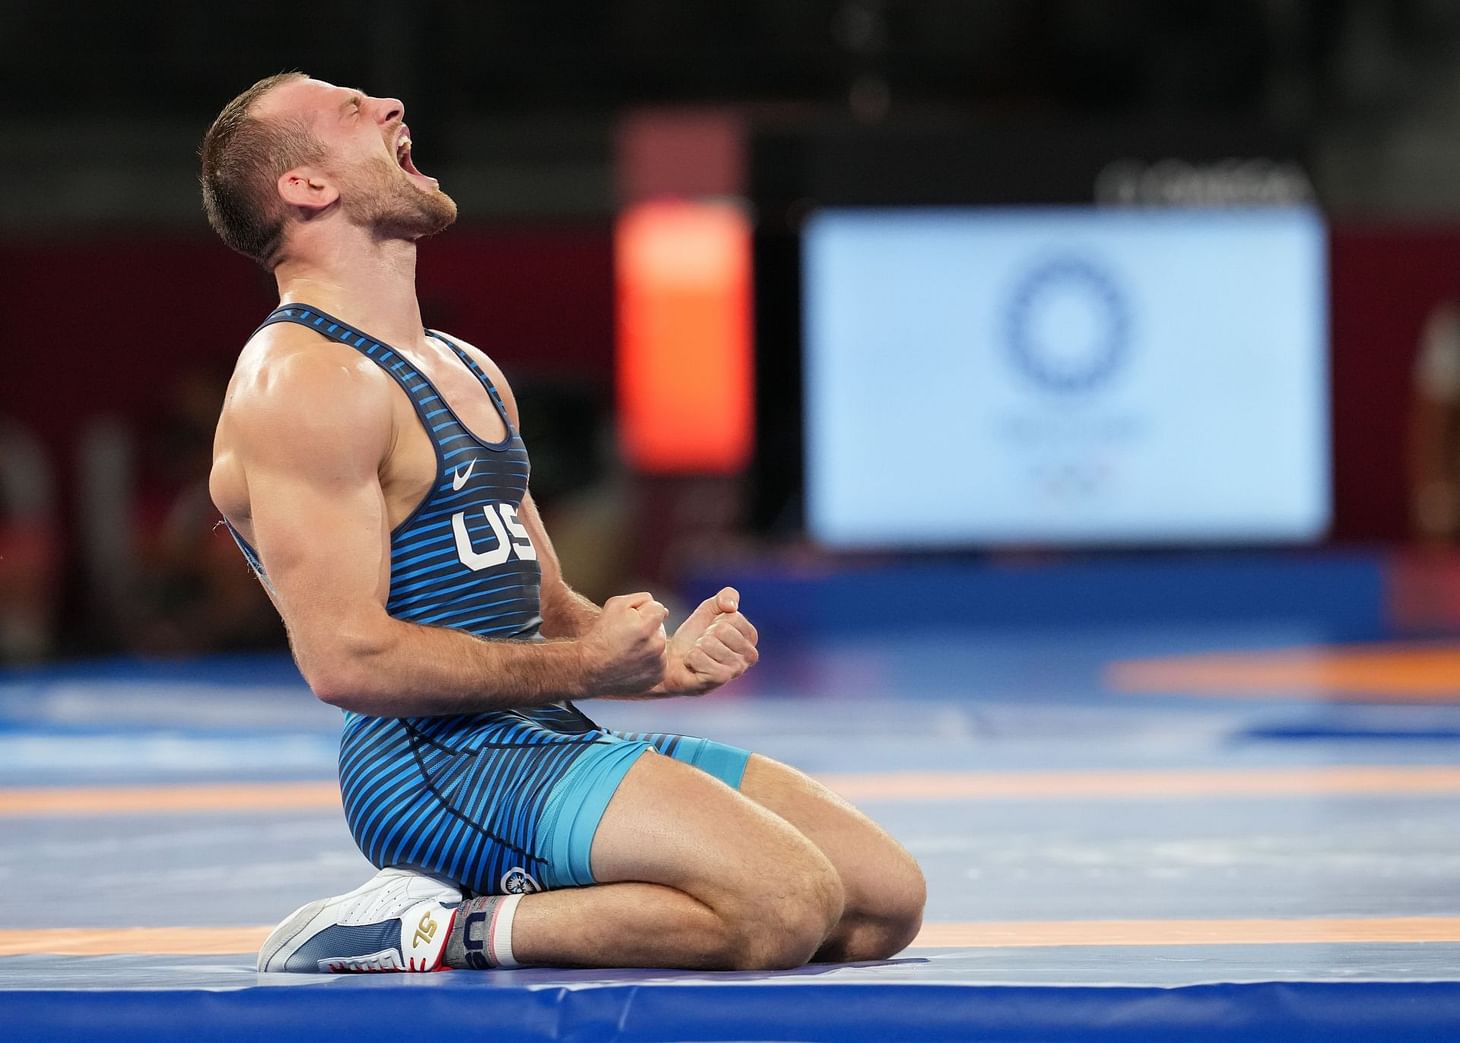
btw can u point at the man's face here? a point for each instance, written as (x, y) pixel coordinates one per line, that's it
(368, 153)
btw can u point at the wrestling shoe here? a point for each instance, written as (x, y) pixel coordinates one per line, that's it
(398, 920)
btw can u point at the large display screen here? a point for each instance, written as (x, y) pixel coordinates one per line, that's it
(1065, 376)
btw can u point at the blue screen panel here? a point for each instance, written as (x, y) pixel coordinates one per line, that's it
(1066, 376)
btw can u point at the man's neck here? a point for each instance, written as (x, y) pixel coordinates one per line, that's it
(368, 283)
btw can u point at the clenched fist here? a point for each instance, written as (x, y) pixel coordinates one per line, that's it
(714, 645)
(624, 651)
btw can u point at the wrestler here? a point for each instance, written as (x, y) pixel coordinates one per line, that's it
(373, 474)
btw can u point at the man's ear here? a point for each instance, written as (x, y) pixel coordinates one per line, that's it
(307, 189)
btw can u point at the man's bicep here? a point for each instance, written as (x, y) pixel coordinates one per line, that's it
(324, 544)
(310, 446)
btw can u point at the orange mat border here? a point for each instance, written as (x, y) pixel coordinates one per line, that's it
(1015, 934)
(239, 941)
(1377, 673)
(1123, 785)
(24, 802)
(102, 801)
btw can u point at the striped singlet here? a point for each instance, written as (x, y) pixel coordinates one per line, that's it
(475, 798)
(459, 795)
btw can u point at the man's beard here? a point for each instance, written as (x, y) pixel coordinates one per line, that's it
(381, 198)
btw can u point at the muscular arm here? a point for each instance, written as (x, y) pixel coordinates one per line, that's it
(311, 440)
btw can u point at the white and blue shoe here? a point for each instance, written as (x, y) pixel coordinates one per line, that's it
(398, 920)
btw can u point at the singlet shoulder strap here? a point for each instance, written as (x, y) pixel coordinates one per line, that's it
(478, 372)
(411, 380)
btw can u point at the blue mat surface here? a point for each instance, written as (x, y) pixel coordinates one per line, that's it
(995, 700)
(937, 998)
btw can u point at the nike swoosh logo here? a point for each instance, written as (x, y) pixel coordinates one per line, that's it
(459, 477)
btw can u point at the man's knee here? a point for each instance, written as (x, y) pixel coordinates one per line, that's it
(894, 930)
(787, 918)
(774, 895)
(887, 923)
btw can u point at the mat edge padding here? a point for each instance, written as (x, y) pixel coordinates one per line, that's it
(1398, 1012)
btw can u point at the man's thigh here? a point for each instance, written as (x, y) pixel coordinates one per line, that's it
(673, 824)
(878, 875)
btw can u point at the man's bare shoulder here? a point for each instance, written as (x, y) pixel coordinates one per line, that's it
(292, 387)
(299, 406)
(288, 368)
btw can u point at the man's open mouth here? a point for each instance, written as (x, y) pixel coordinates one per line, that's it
(403, 155)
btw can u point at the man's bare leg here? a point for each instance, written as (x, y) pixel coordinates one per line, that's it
(692, 874)
(883, 886)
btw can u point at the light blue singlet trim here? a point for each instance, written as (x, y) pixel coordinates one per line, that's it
(726, 763)
(578, 800)
(575, 807)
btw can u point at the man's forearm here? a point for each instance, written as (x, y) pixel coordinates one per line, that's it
(404, 669)
(566, 613)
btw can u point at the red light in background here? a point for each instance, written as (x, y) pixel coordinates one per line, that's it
(684, 337)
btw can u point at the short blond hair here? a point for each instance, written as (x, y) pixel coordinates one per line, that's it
(242, 158)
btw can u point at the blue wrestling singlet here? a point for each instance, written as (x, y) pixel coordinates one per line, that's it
(501, 801)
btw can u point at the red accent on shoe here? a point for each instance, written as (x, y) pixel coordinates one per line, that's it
(441, 956)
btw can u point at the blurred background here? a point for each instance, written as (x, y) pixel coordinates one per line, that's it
(917, 311)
